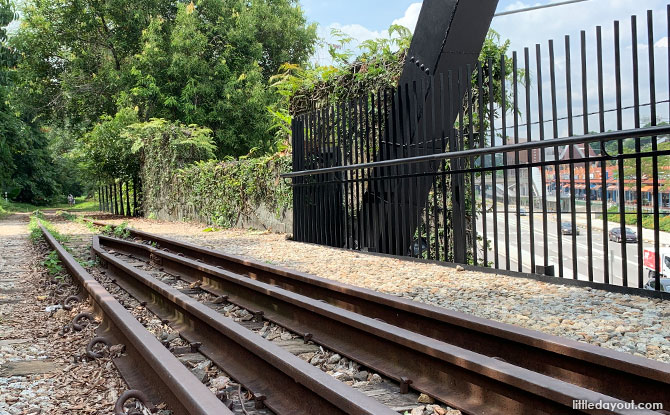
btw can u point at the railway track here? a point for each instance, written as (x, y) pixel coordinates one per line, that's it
(468, 363)
(151, 371)
(282, 383)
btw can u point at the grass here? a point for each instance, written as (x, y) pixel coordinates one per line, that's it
(82, 205)
(647, 219)
(36, 232)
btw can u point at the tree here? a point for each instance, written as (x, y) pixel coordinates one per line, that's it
(26, 170)
(216, 75)
(205, 63)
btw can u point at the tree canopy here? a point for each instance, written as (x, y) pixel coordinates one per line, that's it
(204, 62)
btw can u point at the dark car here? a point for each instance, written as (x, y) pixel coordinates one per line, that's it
(566, 229)
(665, 285)
(616, 235)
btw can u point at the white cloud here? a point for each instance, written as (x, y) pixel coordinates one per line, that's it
(662, 43)
(411, 16)
(361, 33)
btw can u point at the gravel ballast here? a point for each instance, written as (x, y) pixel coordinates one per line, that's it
(42, 366)
(626, 323)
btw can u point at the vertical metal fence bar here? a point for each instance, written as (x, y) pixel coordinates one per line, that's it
(529, 158)
(620, 162)
(300, 148)
(573, 192)
(424, 90)
(294, 181)
(397, 182)
(308, 180)
(380, 186)
(412, 144)
(543, 156)
(387, 171)
(638, 160)
(482, 161)
(121, 209)
(445, 142)
(322, 200)
(313, 187)
(471, 145)
(365, 173)
(358, 117)
(116, 199)
(654, 143)
(587, 156)
(557, 164)
(517, 178)
(603, 164)
(458, 179)
(494, 171)
(344, 111)
(340, 185)
(135, 208)
(403, 108)
(344, 144)
(320, 216)
(331, 160)
(328, 201)
(435, 166)
(339, 153)
(503, 121)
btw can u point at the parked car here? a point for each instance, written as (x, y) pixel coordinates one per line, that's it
(522, 212)
(665, 285)
(566, 229)
(616, 235)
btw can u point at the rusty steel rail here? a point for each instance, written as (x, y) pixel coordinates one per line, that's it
(279, 380)
(471, 382)
(146, 365)
(604, 370)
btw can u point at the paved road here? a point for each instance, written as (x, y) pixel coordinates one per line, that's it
(598, 249)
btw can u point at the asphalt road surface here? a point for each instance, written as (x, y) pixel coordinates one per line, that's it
(616, 269)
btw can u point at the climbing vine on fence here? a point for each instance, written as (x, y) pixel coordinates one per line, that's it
(222, 193)
(181, 179)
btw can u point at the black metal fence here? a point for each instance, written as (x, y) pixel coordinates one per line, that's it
(116, 197)
(521, 181)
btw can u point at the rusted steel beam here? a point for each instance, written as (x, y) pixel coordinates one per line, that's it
(288, 384)
(610, 372)
(469, 381)
(146, 364)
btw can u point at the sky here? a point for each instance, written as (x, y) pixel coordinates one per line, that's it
(372, 18)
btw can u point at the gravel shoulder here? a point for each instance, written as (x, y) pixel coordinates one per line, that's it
(41, 369)
(631, 324)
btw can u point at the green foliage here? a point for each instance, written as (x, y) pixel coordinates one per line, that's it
(26, 168)
(631, 219)
(204, 63)
(105, 153)
(378, 67)
(35, 231)
(38, 218)
(66, 216)
(53, 264)
(121, 231)
(213, 191)
(82, 204)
